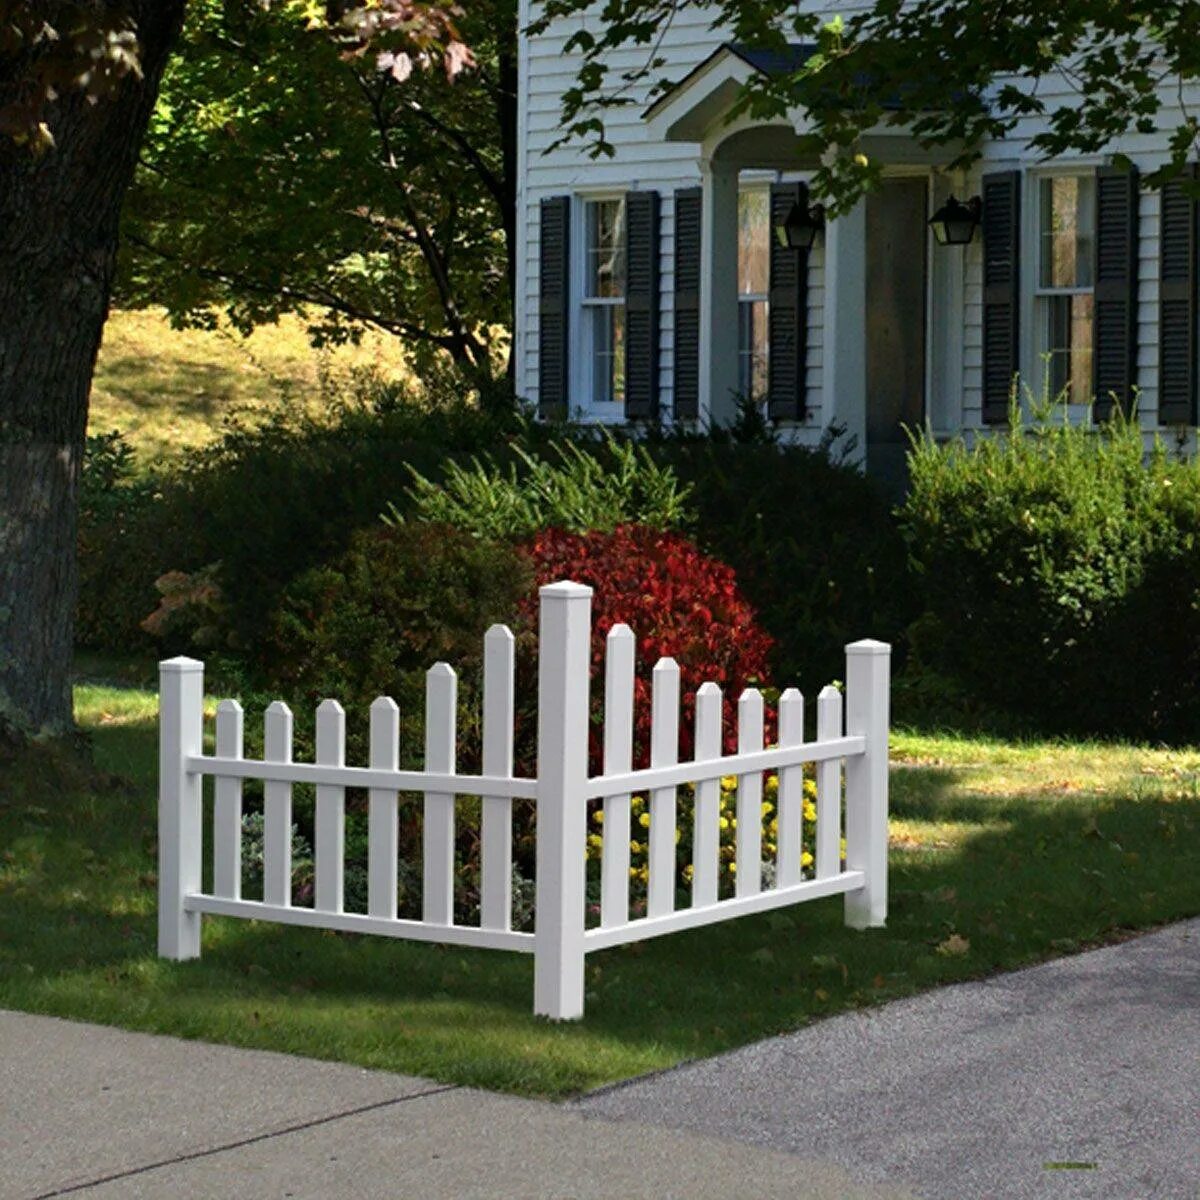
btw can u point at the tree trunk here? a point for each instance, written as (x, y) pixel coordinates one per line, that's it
(59, 218)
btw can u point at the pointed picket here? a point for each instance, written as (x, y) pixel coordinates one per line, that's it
(829, 786)
(383, 818)
(277, 808)
(227, 806)
(706, 834)
(749, 796)
(621, 649)
(495, 888)
(441, 709)
(790, 804)
(329, 843)
(664, 752)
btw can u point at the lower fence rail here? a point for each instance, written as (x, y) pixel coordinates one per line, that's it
(854, 749)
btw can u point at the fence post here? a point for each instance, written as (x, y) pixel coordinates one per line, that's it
(868, 680)
(564, 668)
(181, 733)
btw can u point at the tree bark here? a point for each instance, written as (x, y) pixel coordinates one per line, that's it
(59, 215)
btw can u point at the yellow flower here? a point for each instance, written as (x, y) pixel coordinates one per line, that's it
(724, 822)
(810, 811)
(806, 859)
(772, 785)
(728, 783)
(644, 820)
(598, 816)
(635, 847)
(733, 868)
(810, 789)
(595, 840)
(767, 808)
(688, 872)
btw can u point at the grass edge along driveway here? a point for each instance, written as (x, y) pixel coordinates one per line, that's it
(1002, 855)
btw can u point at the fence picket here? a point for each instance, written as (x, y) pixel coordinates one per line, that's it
(277, 808)
(227, 806)
(329, 843)
(749, 796)
(441, 708)
(495, 884)
(664, 752)
(829, 786)
(383, 817)
(620, 652)
(706, 833)
(790, 811)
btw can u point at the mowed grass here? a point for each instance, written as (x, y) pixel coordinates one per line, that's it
(169, 390)
(1002, 855)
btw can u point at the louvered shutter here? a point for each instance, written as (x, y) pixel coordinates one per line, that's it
(686, 378)
(641, 305)
(1114, 337)
(1177, 305)
(554, 293)
(1001, 276)
(787, 313)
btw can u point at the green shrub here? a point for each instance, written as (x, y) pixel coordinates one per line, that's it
(1055, 569)
(579, 488)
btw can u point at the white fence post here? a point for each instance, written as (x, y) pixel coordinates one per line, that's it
(564, 669)
(181, 734)
(868, 680)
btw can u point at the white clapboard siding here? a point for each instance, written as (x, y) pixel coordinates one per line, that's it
(495, 886)
(329, 847)
(441, 710)
(749, 796)
(227, 806)
(829, 786)
(664, 752)
(383, 818)
(706, 834)
(789, 813)
(277, 808)
(620, 650)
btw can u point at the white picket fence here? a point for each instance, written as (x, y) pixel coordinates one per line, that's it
(561, 791)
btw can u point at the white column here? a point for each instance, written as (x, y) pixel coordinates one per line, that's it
(845, 351)
(564, 667)
(868, 683)
(718, 291)
(181, 733)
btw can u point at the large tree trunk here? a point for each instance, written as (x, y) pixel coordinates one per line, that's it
(59, 216)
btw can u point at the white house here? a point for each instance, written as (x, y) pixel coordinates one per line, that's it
(651, 283)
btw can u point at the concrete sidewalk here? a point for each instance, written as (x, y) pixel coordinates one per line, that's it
(99, 1113)
(1077, 1078)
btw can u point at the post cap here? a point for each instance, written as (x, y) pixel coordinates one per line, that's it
(566, 589)
(869, 646)
(180, 665)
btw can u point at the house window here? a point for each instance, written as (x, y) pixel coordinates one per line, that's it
(754, 230)
(604, 298)
(1066, 242)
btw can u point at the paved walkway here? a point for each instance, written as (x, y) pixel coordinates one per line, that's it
(978, 1090)
(971, 1091)
(100, 1114)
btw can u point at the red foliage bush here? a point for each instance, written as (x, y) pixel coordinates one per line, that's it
(679, 603)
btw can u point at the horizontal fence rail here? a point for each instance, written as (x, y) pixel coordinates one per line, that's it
(750, 853)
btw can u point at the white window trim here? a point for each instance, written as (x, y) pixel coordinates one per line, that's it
(584, 402)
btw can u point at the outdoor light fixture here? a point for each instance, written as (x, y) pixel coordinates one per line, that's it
(954, 224)
(798, 230)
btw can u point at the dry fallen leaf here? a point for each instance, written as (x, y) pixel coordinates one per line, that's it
(955, 946)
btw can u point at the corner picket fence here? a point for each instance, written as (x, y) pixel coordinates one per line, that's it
(562, 792)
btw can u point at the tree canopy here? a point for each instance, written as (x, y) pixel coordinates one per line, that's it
(1077, 74)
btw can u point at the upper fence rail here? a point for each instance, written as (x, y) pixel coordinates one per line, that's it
(851, 740)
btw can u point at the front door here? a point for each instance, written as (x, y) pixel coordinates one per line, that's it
(896, 281)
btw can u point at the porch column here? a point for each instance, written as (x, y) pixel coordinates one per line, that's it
(718, 291)
(845, 349)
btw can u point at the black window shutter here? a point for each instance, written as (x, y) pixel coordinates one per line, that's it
(1001, 294)
(641, 305)
(554, 294)
(1177, 304)
(787, 313)
(686, 378)
(1114, 337)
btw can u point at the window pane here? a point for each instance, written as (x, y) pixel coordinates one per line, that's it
(752, 348)
(605, 248)
(608, 353)
(753, 242)
(1069, 342)
(1068, 225)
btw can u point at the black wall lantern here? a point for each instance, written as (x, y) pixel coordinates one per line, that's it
(799, 229)
(954, 224)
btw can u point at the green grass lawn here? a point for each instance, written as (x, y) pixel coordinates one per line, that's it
(1002, 855)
